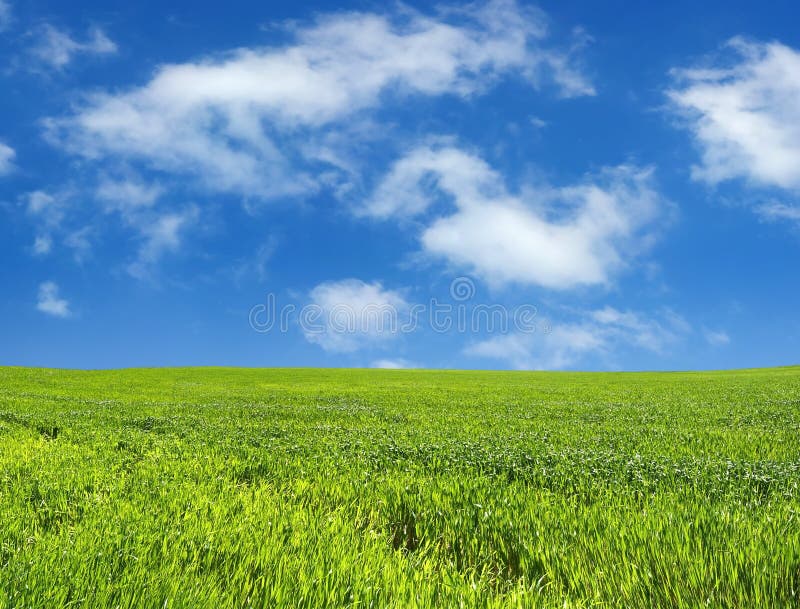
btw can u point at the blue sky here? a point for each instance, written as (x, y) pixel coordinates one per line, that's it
(625, 176)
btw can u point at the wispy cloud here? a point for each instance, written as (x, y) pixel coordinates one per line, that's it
(127, 194)
(7, 155)
(257, 263)
(55, 49)
(80, 243)
(157, 231)
(5, 14)
(601, 331)
(744, 114)
(558, 238)
(394, 364)
(716, 338)
(775, 211)
(42, 245)
(282, 121)
(50, 302)
(537, 123)
(47, 211)
(559, 348)
(160, 234)
(45, 205)
(261, 129)
(646, 331)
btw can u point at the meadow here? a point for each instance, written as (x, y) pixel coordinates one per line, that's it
(217, 488)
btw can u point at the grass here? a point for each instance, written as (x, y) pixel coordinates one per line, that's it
(350, 488)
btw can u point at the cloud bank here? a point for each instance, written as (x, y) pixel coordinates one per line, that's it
(351, 314)
(744, 117)
(554, 237)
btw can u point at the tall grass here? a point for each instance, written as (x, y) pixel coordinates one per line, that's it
(319, 488)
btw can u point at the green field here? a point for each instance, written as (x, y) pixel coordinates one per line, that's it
(336, 488)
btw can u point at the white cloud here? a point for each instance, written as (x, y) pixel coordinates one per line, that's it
(557, 238)
(50, 302)
(745, 115)
(393, 364)
(598, 332)
(351, 314)
(716, 338)
(55, 49)
(7, 155)
(248, 122)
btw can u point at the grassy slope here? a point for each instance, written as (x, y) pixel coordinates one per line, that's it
(231, 487)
